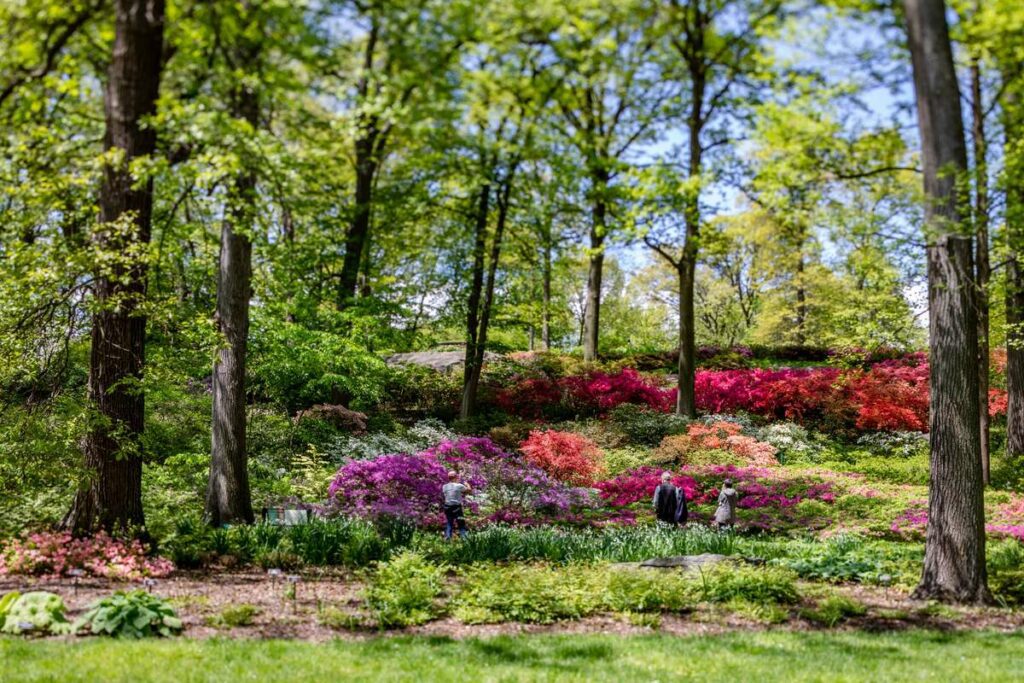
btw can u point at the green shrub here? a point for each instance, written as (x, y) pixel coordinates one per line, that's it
(647, 590)
(234, 616)
(619, 460)
(763, 585)
(403, 591)
(834, 609)
(645, 427)
(536, 594)
(33, 612)
(135, 614)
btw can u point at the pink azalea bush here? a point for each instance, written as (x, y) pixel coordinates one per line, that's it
(57, 553)
(599, 392)
(639, 484)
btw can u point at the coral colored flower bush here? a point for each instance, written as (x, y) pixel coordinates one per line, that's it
(57, 553)
(718, 436)
(569, 457)
(639, 484)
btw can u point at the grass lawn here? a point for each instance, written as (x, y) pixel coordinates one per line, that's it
(764, 656)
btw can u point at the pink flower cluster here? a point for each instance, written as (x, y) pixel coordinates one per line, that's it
(58, 553)
(639, 484)
(593, 394)
(721, 436)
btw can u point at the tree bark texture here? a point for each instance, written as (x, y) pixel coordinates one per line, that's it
(228, 498)
(1014, 125)
(592, 313)
(982, 262)
(112, 497)
(954, 564)
(473, 305)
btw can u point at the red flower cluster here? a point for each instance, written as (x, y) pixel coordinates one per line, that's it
(892, 395)
(566, 456)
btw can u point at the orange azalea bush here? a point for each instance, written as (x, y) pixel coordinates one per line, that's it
(721, 437)
(570, 457)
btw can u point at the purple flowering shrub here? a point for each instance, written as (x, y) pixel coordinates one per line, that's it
(505, 487)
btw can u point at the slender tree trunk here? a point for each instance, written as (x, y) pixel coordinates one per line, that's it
(473, 306)
(954, 563)
(685, 400)
(801, 300)
(228, 499)
(545, 330)
(982, 262)
(359, 229)
(1014, 125)
(112, 498)
(366, 170)
(592, 313)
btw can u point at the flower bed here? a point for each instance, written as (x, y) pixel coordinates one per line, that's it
(59, 554)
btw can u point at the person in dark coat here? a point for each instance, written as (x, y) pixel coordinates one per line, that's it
(669, 501)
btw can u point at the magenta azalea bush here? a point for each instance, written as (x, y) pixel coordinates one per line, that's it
(505, 486)
(58, 553)
(638, 485)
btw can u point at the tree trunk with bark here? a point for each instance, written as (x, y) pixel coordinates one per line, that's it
(954, 564)
(1014, 125)
(592, 312)
(112, 498)
(545, 330)
(228, 498)
(982, 262)
(468, 405)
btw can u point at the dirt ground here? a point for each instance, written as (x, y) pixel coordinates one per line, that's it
(322, 599)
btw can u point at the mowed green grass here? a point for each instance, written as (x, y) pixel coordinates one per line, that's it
(766, 656)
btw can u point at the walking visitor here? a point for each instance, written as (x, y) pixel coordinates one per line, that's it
(725, 515)
(453, 514)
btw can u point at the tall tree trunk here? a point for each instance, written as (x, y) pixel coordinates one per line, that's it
(592, 312)
(954, 563)
(801, 299)
(112, 498)
(366, 147)
(470, 390)
(1014, 125)
(545, 330)
(228, 499)
(685, 400)
(982, 262)
(468, 405)
(359, 229)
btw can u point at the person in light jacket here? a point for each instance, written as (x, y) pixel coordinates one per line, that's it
(725, 515)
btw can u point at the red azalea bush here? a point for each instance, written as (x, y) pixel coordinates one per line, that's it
(531, 398)
(599, 392)
(892, 395)
(570, 457)
(58, 553)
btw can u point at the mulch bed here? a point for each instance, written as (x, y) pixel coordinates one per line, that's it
(200, 597)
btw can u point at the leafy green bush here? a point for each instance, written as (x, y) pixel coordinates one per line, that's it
(234, 616)
(619, 460)
(646, 590)
(402, 591)
(135, 614)
(537, 594)
(36, 611)
(769, 585)
(833, 609)
(645, 427)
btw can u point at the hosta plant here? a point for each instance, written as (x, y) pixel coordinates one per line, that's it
(34, 612)
(135, 614)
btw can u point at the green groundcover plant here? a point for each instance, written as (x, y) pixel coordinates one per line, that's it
(134, 614)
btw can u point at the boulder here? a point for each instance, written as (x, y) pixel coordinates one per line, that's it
(685, 561)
